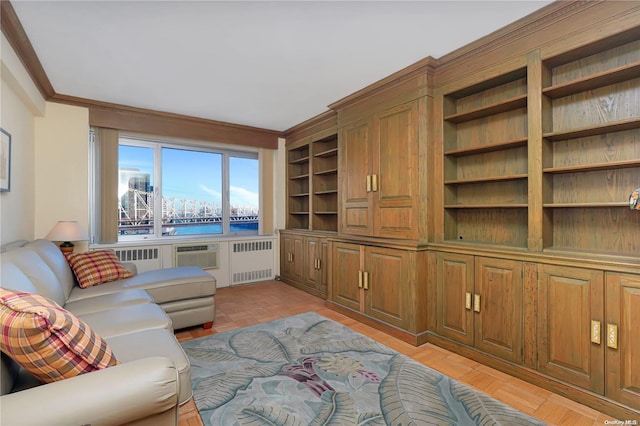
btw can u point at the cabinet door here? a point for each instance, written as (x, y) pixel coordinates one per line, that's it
(454, 318)
(355, 156)
(286, 248)
(388, 278)
(623, 362)
(498, 325)
(396, 169)
(345, 265)
(292, 257)
(568, 300)
(316, 264)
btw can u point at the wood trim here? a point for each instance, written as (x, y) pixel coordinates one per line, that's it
(17, 38)
(122, 117)
(407, 337)
(523, 27)
(424, 66)
(321, 122)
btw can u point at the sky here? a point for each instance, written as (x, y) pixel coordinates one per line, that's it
(196, 175)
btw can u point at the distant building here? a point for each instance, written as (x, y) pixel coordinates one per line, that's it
(136, 195)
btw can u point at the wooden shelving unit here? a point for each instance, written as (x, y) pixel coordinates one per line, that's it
(485, 162)
(591, 149)
(298, 163)
(325, 184)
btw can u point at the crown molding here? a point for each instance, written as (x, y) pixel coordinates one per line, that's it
(104, 114)
(509, 34)
(16, 36)
(326, 121)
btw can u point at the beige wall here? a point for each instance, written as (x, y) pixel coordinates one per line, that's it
(62, 167)
(49, 161)
(20, 103)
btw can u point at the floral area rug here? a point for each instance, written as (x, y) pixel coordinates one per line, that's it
(309, 370)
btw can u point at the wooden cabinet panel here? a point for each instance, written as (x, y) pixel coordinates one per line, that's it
(455, 281)
(498, 325)
(381, 284)
(355, 163)
(292, 256)
(379, 174)
(395, 163)
(316, 264)
(303, 261)
(479, 303)
(346, 263)
(568, 300)
(386, 295)
(623, 362)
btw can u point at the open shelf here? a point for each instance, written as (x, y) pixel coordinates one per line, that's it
(591, 157)
(599, 129)
(486, 179)
(592, 167)
(587, 205)
(516, 102)
(327, 153)
(486, 160)
(594, 81)
(326, 172)
(496, 146)
(486, 206)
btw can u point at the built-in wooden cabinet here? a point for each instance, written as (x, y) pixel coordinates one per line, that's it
(485, 161)
(292, 264)
(480, 202)
(591, 148)
(381, 283)
(371, 281)
(588, 330)
(622, 353)
(479, 303)
(570, 311)
(304, 261)
(324, 184)
(380, 184)
(312, 179)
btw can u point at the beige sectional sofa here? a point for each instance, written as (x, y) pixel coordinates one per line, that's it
(136, 316)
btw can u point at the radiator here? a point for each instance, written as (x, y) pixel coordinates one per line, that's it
(204, 256)
(145, 258)
(252, 261)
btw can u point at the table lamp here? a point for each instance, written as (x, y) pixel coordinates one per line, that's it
(67, 231)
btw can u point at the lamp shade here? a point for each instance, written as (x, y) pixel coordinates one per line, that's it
(67, 230)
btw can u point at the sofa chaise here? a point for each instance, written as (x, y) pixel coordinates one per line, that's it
(135, 316)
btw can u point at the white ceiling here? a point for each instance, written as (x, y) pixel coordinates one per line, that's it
(269, 64)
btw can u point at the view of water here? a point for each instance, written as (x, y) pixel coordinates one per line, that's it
(215, 228)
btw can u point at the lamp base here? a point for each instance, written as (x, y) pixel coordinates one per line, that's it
(66, 247)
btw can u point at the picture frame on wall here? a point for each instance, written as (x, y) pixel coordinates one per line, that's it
(5, 161)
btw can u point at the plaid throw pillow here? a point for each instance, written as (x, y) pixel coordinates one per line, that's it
(96, 267)
(48, 341)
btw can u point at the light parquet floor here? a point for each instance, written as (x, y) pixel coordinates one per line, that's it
(251, 304)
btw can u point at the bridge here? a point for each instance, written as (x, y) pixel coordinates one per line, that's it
(138, 212)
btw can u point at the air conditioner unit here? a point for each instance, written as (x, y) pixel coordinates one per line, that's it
(204, 256)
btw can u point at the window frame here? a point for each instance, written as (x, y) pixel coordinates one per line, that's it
(157, 145)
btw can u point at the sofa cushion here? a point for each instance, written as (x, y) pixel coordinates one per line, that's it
(127, 319)
(48, 341)
(164, 285)
(152, 343)
(96, 267)
(105, 302)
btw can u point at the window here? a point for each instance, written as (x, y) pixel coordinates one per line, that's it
(170, 190)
